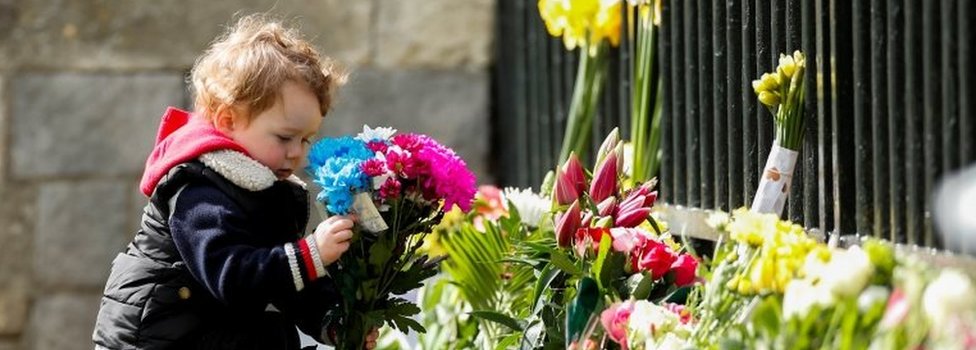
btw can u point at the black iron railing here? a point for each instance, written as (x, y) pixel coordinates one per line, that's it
(889, 108)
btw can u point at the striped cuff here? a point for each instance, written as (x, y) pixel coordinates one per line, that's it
(316, 256)
(296, 274)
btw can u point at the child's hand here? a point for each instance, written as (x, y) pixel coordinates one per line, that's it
(332, 237)
(371, 339)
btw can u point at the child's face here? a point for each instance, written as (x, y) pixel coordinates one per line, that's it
(280, 137)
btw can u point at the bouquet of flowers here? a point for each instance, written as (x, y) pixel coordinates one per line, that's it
(399, 187)
(782, 92)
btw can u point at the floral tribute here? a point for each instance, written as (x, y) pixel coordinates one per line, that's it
(399, 186)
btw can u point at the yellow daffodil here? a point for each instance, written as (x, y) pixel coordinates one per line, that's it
(582, 23)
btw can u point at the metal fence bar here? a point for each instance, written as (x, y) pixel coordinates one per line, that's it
(738, 87)
(841, 136)
(879, 119)
(896, 119)
(863, 166)
(678, 110)
(667, 110)
(692, 107)
(750, 106)
(720, 97)
(913, 132)
(706, 123)
(932, 91)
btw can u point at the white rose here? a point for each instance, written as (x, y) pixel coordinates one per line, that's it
(647, 317)
(949, 296)
(801, 295)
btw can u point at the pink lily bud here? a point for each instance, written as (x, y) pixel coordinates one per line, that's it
(632, 218)
(608, 145)
(565, 191)
(608, 206)
(566, 225)
(573, 170)
(605, 181)
(651, 198)
(630, 203)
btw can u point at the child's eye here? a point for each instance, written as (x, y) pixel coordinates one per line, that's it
(284, 138)
(306, 141)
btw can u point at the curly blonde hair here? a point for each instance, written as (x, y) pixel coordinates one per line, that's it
(247, 66)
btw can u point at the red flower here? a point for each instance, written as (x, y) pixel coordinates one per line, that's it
(684, 269)
(653, 256)
(566, 224)
(390, 188)
(589, 237)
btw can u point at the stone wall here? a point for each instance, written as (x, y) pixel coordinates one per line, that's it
(83, 83)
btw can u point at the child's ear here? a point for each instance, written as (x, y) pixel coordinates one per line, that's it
(224, 119)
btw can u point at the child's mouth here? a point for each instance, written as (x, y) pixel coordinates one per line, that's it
(283, 173)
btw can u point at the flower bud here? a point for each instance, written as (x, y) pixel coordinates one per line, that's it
(770, 82)
(608, 206)
(565, 191)
(632, 218)
(786, 65)
(769, 98)
(566, 225)
(605, 181)
(608, 145)
(573, 170)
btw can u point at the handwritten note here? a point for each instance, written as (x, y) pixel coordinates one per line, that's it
(366, 214)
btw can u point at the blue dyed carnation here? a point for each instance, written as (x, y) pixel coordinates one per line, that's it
(340, 179)
(336, 147)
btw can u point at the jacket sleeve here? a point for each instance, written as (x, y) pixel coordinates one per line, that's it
(210, 233)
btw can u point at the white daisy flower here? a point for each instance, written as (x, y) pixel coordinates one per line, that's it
(380, 133)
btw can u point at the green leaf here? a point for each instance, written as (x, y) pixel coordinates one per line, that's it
(639, 285)
(546, 277)
(581, 308)
(560, 260)
(499, 318)
(380, 252)
(601, 257)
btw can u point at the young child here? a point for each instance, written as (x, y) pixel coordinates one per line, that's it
(220, 261)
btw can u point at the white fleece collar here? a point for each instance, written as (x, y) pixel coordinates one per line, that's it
(243, 171)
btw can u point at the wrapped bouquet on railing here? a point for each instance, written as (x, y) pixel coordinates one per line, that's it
(782, 93)
(398, 186)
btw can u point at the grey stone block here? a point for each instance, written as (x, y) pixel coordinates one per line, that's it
(17, 217)
(159, 34)
(13, 302)
(87, 124)
(10, 344)
(80, 230)
(435, 33)
(451, 107)
(63, 322)
(4, 121)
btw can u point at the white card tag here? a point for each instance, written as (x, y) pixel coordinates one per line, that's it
(366, 214)
(774, 185)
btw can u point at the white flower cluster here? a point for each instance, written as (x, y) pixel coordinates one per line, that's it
(531, 206)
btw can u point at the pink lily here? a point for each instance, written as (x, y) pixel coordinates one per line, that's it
(605, 181)
(567, 224)
(632, 218)
(573, 171)
(565, 191)
(608, 206)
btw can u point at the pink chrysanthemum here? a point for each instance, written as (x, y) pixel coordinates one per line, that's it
(373, 167)
(377, 146)
(390, 188)
(448, 175)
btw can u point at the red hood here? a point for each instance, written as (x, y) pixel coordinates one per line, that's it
(181, 138)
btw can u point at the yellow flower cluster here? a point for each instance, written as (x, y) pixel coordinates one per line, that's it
(775, 252)
(582, 23)
(772, 87)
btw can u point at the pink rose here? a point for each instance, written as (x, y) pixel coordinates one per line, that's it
(615, 319)
(684, 270)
